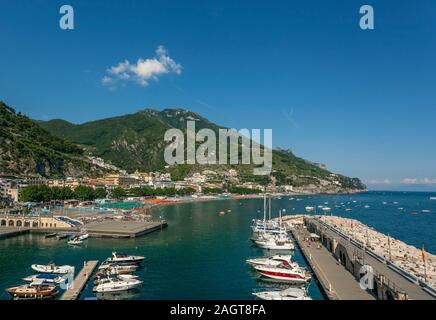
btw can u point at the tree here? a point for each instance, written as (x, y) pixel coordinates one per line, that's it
(118, 193)
(84, 193)
(100, 193)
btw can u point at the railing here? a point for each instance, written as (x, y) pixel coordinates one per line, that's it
(407, 275)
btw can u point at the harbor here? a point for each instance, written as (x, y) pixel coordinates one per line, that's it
(201, 241)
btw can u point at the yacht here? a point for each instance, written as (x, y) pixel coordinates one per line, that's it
(117, 269)
(310, 209)
(272, 261)
(288, 294)
(284, 274)
(33, 291)
(116, 284)
(52, 268)
(122, 258)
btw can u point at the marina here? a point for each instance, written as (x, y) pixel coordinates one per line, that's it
(198, 240)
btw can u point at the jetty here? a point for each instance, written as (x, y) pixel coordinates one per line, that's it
(337, 260)
(123, 229)
(80, 281)
(6, 232)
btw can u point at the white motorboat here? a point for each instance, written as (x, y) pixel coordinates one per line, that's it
(284, 274)
(45, 277)
(83, 237)
(122, 257)
(275, 243)
(75, 242)
(309, 209)
(288, 294)
(276, 260)
(115, 269)
(114, 285)
(432, 198)
(52, 268)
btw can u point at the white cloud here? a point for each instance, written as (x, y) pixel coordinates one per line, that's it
(418, 181)
(375, 181)
(143, 70)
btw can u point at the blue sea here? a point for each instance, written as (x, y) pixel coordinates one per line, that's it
(201, 255)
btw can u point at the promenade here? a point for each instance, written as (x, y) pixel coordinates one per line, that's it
(413, 290)
(336, 281)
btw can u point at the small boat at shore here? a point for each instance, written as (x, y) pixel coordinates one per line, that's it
(39, 291)
(52, 268)
(288, 294)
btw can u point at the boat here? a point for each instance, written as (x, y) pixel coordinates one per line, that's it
(52, 268)
(432, 198)
(275, 243)
(221, 213)
(326, 209)
(123, 257)
(426, 211)
(114, 285)
(83, 236)
(284, 274)
(271, 261)
(104, 278)
(45, 277)
(117, 269)
(64, 236)
(288, 294)
(50, 235)
(310, 209)
(75, 242)
(33, 291)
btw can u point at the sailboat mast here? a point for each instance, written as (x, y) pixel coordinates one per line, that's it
(269, 212)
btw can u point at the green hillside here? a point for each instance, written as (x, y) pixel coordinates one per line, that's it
(28, 149)
(135, 142)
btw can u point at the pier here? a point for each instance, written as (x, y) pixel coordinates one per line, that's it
(80, 281)
(336, 260)
(336, 282)
(6, 232)
(123, 229)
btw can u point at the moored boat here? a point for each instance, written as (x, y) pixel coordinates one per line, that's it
(276, 260)
(114, 285)
(50, 235)
(52, 268)
(284, 274)
(45, 277)
(122, 257)
(288, 294)
(33, 291)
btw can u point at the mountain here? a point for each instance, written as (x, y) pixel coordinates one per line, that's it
(135, 142)
(28, 149)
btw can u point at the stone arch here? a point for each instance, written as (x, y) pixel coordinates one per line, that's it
(35, 224)
(19, 223)
(389, 295)
(3, 222)
(27, 224)
(11, 223)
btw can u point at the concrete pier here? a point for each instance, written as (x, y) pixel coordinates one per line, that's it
(80, 281)
(337, 261)
(123, 229)
(337, 283)
(6, 232)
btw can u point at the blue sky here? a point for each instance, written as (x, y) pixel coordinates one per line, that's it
(363, 102)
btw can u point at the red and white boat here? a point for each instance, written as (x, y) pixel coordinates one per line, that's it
(292, 274)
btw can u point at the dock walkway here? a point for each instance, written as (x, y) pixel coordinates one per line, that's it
(337, 282)
(80, 281)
